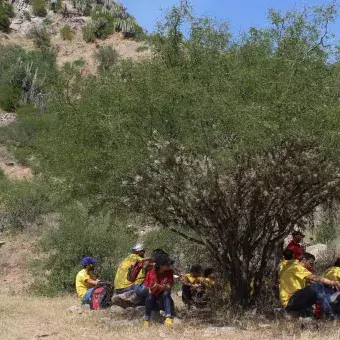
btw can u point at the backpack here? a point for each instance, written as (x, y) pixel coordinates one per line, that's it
(101, 296)
(134, 271)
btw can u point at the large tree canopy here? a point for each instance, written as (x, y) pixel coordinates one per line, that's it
(233, 140)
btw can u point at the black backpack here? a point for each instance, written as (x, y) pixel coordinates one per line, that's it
(101, 296)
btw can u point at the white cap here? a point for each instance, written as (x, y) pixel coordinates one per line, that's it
(138, 247)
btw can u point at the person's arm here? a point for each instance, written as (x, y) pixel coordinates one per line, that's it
(323, 280)
(92, 282)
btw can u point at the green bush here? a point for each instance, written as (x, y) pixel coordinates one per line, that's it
(40, 36)
(81, 233)
(6, 12)
(39, 8)
(27, 15)
(89, 33)
(107, 57)
(17, 67)
(67, 33)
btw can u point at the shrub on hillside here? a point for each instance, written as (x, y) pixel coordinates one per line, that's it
(67, 33)
(81, 233)
(107, 57)
(6, 12)
(89, 33)
(39, 8)
(40, 36)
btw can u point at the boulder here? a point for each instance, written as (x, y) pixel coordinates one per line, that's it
(125, 300)
(317, 249)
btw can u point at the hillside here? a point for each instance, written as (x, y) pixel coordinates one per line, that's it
(77, 48)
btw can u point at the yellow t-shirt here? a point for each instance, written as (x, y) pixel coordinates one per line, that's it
(121, 280)
(332, 273)
(209, 283)
(193, 280)
(292, 278)
(81, 282)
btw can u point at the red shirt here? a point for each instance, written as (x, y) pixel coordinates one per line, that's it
(296, 249)
(162, 278)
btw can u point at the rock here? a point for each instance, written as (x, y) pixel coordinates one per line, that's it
(76, 309)
(125, 300)
(317, 249)
(117, 310)
(218, 331)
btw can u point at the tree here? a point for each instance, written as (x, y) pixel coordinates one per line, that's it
(241, 214)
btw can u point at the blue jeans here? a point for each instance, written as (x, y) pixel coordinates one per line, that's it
(165, 303)
(305, 298)
(87, 297)
(140, 290)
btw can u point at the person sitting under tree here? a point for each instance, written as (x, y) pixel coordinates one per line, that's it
(295, 244)
(192, 285)
(300, 289)
(121, 283)
(86, 279)
(159, 281)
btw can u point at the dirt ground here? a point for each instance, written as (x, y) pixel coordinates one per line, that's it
(26, 317)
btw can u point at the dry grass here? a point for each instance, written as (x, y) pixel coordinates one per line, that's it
(25, 317)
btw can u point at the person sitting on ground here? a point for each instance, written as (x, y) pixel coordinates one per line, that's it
(192, 285)
(159, 281)
(295, 246)
(121, 283)
(300, 289)
(333, 273)
(86, 279)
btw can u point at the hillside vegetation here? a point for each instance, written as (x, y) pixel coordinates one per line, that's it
(221, 144)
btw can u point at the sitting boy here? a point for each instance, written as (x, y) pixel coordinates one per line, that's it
(86, 280)
(159, 281)
(192, 285)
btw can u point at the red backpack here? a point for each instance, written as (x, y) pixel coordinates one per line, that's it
(134, 271)
(101, 296)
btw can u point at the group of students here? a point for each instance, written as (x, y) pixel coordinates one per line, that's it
(301, 291)
(151, 279)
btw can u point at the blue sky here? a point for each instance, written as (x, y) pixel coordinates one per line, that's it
(241, 14)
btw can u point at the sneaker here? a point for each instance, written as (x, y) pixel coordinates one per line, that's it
(162, 313)
(146, 323)
(168, 322)
(335, 297)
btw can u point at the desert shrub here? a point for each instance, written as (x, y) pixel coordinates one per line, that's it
(89, 33)
(67, 33)
(6, 12)
(27, 15)
(39, 8)
(107, 57)
(23, 74)
(40, 36)
(81, 233)
(23, 202)
(142, 48)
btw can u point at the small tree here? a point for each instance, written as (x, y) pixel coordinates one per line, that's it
(242, 213)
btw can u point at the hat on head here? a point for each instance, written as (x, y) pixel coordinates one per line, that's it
(88, 260)
(138, 247)
(298, 232)
(163, 260)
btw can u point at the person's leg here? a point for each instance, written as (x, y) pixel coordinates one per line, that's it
(124, 290)
(141, 290)
(87, 297)
(167, 304)
(149, 305)
(186, 294)
(322, 297)
(301, 301)
(308, 296)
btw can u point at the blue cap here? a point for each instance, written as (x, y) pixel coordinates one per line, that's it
(88, 260)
